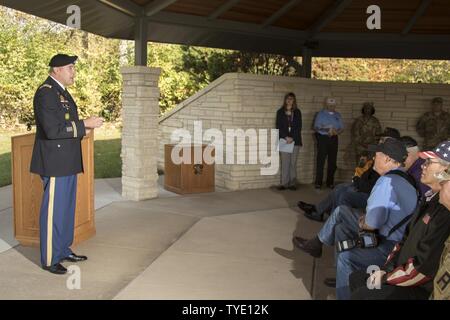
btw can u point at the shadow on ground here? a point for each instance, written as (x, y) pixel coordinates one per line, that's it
(323, 267)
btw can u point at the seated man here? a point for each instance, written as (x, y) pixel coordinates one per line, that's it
(353, 194)
(389, 206)
(413, 164)
(413, 263)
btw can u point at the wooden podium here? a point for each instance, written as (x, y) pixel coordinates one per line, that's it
(28, 189)
(188, 178)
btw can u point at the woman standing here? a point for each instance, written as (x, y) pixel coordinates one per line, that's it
(289, 124)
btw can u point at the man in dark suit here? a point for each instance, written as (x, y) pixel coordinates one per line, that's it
(57, 159)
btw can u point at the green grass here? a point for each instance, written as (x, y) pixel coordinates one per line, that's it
(108, 163)
(5, 158)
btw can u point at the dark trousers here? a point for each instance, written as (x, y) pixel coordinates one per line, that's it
(360, 291)
(57, 218)
(327, 147)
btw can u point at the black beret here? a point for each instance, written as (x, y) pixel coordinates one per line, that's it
(61, 60)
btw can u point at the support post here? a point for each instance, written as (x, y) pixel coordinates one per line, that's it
(140, 41)
(140, 112)
(306, 62)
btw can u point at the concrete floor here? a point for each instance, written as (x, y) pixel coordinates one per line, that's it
(221, 245)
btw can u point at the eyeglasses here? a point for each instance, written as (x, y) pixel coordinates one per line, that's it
(428, 162)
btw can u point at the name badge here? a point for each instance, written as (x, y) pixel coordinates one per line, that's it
(67, 116)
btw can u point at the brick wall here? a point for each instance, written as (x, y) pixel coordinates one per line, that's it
(250, 101)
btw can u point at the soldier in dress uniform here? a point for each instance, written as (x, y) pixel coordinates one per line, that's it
(365, 130)
(57, 159)
(434, 126)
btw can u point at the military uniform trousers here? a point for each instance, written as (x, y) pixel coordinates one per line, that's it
(57, 218)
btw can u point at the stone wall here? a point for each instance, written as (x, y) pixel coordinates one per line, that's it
(140, 126)
(250, 101)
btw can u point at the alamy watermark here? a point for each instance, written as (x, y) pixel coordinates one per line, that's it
(374, 281)
(73, 282)
(221, 148)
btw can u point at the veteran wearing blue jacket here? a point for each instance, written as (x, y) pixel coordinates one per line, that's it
(327, 126)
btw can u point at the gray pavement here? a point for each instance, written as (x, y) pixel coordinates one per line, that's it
(221, 245)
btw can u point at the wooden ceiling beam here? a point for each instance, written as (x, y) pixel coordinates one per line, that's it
(420, 11)
(281, 12)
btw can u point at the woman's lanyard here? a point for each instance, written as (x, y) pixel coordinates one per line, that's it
(290, 120)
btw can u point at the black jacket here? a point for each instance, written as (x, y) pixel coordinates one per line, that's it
(367, 181)
(414, 261)
(282, 124)
(57, 147)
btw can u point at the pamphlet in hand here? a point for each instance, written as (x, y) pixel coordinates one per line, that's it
(286, 147)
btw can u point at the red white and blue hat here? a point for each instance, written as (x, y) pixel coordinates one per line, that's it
(442, 151)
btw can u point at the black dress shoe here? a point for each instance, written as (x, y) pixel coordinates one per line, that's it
(56, 269)
(281, 188)
(293, 188)
(330, 282)
(313, 215)
(318, 186)
(74, 258)
(306, 206)
(330, 186)
(313, 246)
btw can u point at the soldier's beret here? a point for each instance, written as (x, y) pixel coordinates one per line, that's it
(61, 60)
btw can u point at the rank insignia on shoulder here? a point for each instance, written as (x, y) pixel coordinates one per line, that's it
(67, 116)
(46, 86)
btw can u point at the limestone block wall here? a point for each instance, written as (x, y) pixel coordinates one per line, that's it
(250, 101)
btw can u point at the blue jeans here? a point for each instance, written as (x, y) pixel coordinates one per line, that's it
(343, 194)
(353, 199)
(331, 201)
(343, 225)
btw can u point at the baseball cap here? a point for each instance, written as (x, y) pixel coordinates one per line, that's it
(393, 148)
(330, 101)
(442, 151)
(390, 132)
(409, 142)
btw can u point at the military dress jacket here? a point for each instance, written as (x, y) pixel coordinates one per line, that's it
(57, 147)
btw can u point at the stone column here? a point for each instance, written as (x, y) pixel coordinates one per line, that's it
(140, 112)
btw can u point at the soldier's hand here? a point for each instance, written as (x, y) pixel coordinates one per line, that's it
(93, 122)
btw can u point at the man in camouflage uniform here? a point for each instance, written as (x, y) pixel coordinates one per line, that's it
(365, 130)
(434, 126)
(442, 279)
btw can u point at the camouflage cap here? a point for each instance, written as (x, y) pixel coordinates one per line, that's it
(437, 100)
